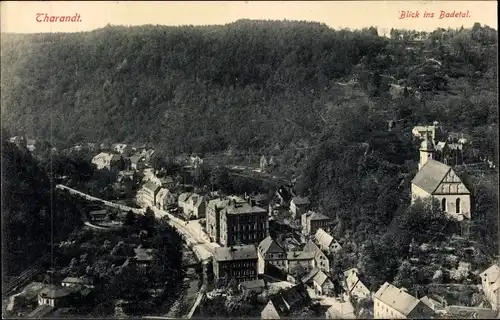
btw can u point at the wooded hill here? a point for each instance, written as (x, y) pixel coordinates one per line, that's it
(246, 85)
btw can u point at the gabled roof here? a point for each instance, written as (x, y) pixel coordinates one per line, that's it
(396, 298)
(461, 312)
(301, 200)
(323, 238)
(430, 175)
(269, 245)
(245, 252)
(300, 255)
(492, 275)
(341, 310)
(151, 186)
(283, 193)
(254, 284)
(135, 158)
(55, 292)
(310, 275)
(183, 197)
(291, 300)
(317, 216)
(320, 278)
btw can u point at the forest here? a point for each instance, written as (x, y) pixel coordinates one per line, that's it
(319, 99)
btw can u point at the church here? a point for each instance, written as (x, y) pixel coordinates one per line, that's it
(439, 181)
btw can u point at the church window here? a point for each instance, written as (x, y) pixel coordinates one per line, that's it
(443, 204)
(458, 205)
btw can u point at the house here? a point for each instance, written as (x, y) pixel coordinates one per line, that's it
(213, 215)
(438, 181)
(193, 205)
(147, 194)
(435, 306)
(326, 242)
(312, 221)
(320, 259)
(136, 162)
(165, 182)
(490, 282)
(105, 160)
(286, 303)
(255, 286)
(269, 251)
(340, 310)
(143, 258)
(260, 200)
(120, 147)
(164, 199)
(354, 286)
(423, 131)
(56, 296)
(390, 302)
(319, 281)
(99, 215)
(299, 263)
(461, 312)
(283, 195)
(243, 223)
(299, 206)
(236, 262)
(80, 282)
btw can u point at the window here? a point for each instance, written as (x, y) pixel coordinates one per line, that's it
(457, 205)
(443, 204)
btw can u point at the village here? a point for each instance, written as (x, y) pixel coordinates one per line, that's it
(272, 246)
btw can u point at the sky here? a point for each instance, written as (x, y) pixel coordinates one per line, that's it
(21, 16)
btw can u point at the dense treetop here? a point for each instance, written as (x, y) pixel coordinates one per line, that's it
(246, 85)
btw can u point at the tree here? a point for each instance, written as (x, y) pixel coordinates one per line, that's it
(130, 218)
(219, 177)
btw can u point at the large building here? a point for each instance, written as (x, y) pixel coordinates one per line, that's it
(439, 181)
(213, 210)
(311, 222)
(236, 262)
(147, 194)
(269, 251)
(390, 302)
(106, 160)
(490, 282)
(243, 223)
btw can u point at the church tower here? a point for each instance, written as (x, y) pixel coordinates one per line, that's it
(426, 151)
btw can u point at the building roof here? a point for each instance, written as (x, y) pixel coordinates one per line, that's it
(135, 158)
(396, 298)
(254, 284)
(75, 280)
(440, 145)
(301, 200)
(106, 156)
(290, 300)
(323, 238)
(41, 311)
(142, 254)
(183, 197)
(55, 292)
(283, 193)
(492, 274)
(236, 208)
(341, 310)
(245, 252)
(167, 179)
(224, 202)
(197, 199)
(312, 215)
(98, 212)
(310, 276)
(352, 279)
(320, 277)
(430, 175)
(151, 186)
(163, 193)
(431, 303)
(310, 246)
(270, 245)
(461, 312)
(300, 255)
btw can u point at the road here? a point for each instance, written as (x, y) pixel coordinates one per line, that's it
(192, 233)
